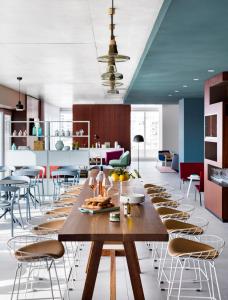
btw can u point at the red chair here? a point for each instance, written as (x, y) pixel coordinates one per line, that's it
(112, 155)
(187, 169)
(200, 187)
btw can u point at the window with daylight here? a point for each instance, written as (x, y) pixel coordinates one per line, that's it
(145, 120)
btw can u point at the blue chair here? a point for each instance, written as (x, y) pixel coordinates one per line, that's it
(34, 183)
(122, 162)
(9, 196)
(24, 192)
(61, 178)
(164, 156)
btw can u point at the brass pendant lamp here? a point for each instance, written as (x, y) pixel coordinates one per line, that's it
(111, 70)
(112, 82)
(113, 52)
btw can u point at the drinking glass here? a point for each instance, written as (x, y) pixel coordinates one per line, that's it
(93, 185)
(106, 184)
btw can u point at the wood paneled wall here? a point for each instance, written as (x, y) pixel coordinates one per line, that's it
(110, 122)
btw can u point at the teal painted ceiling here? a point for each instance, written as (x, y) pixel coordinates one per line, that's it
(189, 38)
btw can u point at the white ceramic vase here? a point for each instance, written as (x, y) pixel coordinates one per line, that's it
(59, 145)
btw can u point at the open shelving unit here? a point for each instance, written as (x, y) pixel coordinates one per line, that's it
(48, 133)
(216, 144)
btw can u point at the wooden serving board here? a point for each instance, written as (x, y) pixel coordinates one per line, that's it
(96, 211)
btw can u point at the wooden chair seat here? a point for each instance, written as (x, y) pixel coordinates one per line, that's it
(151, 185)
(73, 192)
(50, 248)
(67, 201)
(168, 212)
(176, 226)
(189, 248)
(154, 190)
(164, 201)
(59, 212)
(48, 227)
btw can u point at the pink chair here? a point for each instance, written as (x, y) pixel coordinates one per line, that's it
(112, 155)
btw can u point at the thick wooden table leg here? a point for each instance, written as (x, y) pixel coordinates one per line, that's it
(133, 268)
(139, 270)
(113, 275)
(92, 270)
(90, 252)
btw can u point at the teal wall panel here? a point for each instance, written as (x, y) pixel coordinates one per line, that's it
(191, 130)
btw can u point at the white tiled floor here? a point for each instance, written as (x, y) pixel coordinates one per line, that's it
(124, 291)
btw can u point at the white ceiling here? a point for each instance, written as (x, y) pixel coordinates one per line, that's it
(54, 45)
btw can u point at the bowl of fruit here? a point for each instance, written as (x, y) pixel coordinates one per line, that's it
(120, 174)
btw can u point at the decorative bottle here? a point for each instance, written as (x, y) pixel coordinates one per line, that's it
(127, 208)
(34, 130)
(99, 178)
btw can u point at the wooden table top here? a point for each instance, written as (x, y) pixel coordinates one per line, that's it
(144, 224)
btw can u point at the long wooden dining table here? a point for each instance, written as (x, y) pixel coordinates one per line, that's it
(144, 224)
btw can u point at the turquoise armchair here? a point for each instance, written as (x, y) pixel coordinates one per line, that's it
(123, 161)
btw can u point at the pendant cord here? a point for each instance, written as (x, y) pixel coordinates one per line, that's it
(112, 25)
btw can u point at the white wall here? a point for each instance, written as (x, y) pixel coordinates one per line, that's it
(51, 112)
(170, 125)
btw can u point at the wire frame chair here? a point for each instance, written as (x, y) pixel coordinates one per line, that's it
(19, 248)
(50, 228)
(155, 190)
(203, 262)
(160, 201)
(9, 197)
(183, 212)
(199, 226)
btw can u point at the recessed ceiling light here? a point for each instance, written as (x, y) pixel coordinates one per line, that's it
(184, 86)
(210, 70)
(195, 79)
(170, 95)
(176, 91)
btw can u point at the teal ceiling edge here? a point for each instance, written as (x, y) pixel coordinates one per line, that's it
(158, 22)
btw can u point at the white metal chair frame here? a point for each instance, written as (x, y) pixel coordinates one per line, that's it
(181, 215)
(163, 253)
(32, 262)
(206, 259)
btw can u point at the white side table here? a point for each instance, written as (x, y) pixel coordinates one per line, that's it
(193, 177)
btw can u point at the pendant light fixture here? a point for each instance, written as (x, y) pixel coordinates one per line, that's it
(112, 81)
(19, 106)
(112, 52)
(111, 70)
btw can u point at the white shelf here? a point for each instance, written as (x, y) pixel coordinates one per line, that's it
(46, 136)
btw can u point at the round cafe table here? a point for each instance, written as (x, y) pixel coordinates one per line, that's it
(12, 182)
